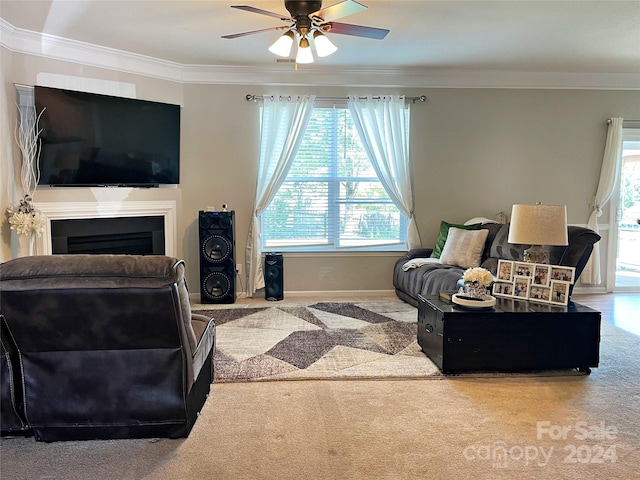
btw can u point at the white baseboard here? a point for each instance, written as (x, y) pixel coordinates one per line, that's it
(588, 289)
(195, 297)
(341, 293)
(351, 294)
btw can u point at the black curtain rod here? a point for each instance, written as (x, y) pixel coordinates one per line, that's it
(254, 98)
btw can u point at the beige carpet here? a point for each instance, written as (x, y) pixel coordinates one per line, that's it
(381, 430)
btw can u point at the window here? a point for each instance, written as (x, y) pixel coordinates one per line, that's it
(332, 198)
(624, 228)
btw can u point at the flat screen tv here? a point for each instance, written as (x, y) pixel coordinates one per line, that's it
(100, 140)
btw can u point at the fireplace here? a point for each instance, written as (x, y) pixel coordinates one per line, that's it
(119, 235)
(133, 227)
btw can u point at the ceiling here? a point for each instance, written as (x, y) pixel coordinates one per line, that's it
(525, 36)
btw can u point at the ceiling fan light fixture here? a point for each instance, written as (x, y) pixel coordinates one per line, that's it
(282, 46)
(304, 54)
(324, 46)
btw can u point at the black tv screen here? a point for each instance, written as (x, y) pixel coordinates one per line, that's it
(90, 139)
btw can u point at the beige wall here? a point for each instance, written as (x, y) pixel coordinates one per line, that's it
(475, 152)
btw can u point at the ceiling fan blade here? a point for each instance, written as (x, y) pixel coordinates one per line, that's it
(244, 34)
(249, 8)
(355, 30)
(339, 10)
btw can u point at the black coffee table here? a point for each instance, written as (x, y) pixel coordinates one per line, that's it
(515, 335)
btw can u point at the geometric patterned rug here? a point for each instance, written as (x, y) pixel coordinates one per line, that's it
(324, 340)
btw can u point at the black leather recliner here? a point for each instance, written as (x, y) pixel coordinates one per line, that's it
(101, 346)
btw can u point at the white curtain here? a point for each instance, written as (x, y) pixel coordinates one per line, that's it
(608, 177)
(19, 99)
(282, 126)
(380, 122)
(9, 165)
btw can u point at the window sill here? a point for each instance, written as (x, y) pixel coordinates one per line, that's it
(335, 253)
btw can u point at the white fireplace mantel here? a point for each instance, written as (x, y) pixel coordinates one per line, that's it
(85, 210)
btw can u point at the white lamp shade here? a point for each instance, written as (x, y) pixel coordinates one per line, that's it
(304, 54)
(538, 225)
(282, 46)
(324, 46)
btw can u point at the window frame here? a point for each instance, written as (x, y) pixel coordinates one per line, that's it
(333, 196)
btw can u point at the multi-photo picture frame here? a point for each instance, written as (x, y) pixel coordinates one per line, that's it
(537, 282)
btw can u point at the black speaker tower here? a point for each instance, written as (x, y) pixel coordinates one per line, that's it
(217, 257)
(273, 277)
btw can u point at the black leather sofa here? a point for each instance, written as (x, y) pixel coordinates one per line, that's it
(101, 346)
(429, 279)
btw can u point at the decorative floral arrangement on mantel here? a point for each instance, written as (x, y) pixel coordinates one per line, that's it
(477, 281)
(24, 217)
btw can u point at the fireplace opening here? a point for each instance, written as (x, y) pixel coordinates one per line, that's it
(121, 235)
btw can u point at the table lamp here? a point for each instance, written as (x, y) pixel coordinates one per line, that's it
(539, 226)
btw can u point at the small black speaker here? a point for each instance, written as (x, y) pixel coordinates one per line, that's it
(273, 277)
(217, 257)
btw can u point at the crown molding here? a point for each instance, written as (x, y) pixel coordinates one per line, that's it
(59, 48)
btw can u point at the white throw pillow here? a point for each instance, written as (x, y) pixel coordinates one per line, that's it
(464, 247)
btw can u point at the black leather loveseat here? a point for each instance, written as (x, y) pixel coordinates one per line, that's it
(101, 346)
(430, 278)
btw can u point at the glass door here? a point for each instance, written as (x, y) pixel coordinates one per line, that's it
(627, 261)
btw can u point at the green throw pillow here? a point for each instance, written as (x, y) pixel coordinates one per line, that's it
(444, 231)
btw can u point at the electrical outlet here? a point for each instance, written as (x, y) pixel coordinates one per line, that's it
(239, 268)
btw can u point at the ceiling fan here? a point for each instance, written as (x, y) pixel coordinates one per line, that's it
(309, 21)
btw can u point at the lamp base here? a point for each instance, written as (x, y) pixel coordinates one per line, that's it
(536, 254)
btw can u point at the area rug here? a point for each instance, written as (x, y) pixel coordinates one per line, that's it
(328, 341)
(325, 340)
